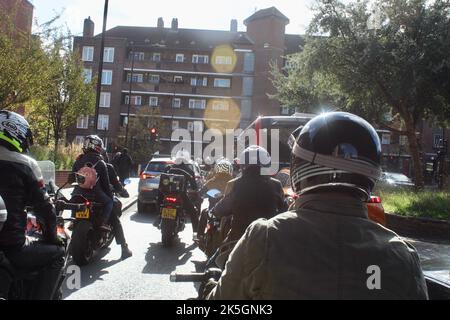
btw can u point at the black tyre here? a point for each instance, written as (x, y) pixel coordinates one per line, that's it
(110, 239)
(82, 249)
(167, 232)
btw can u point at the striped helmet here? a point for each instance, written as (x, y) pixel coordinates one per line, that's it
(336, 150)
(15, 132)
(224, 166)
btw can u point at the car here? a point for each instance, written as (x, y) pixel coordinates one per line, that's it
(392, 179)
(149, 180)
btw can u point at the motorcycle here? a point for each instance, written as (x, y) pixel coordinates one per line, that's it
(87, 239)
(172, 214)
(211, 237)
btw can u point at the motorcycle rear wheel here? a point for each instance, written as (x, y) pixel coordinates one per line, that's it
(81, 246)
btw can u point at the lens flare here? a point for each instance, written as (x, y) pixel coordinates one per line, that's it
(224, 59)
(222, 114)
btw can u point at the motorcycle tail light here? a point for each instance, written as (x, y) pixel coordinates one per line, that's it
(171, 199)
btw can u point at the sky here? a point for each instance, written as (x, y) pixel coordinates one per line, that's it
(193, 14)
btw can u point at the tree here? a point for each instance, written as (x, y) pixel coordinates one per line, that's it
(393, 60)
(67, 95)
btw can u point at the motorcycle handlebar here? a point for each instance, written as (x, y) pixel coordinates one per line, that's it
(62, 205)
(212, 273)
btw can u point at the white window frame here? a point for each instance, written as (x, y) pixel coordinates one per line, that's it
(199, 81)
(154, 76)
(108, 54)
(224, 60)
(107, 77)
(138, 55)
(83, 122)
(178, 79)
(197, 57)
(153, 101)
(88, 53)
(220, 105)
(197, 103)
(176, 103)
(139, 77)
(218, 83)
(105, 99)
(135, 100)
(385, 138)
(103, 122)
(179, 57)
(285, 110)
(156, 54)
(87, 75)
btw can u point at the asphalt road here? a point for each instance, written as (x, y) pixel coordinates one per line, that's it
(146, 274)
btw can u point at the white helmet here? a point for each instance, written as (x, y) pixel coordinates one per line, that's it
(255, 155)
(15, 132)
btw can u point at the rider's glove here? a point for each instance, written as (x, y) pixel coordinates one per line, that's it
(124, 193)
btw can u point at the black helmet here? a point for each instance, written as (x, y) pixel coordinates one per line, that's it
(336, 150)
(93, 143)
(15, 132)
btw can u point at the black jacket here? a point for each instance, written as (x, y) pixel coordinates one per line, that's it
(184, 170)
(100, 166)
(21, 185)
(248, 198)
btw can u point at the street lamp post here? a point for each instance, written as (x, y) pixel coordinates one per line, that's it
(129, 92)
(100, 66)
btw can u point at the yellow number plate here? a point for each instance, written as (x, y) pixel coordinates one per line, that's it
(168, 213)
(82, 214)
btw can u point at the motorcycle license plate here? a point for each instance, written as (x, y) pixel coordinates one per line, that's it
(82, 214)
(169, 213)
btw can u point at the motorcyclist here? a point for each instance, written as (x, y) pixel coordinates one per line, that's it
(223, 173)
(252, 195)
(327, 248)
(22, 185)
(181, 167)
(93, 149)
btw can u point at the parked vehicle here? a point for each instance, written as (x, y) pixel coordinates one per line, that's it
(398, 180)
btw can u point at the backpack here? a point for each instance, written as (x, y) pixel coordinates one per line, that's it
(87, 176)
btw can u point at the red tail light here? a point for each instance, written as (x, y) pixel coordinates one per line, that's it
(146, 176)
(375, 200)
(87, 203)
(171, 199)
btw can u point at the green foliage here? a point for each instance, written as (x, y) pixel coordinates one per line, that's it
(393, 61)
(417, 204)
(64, 159)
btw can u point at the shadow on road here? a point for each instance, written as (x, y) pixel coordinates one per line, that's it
(144, 217)
(164, 260)
(92, 272)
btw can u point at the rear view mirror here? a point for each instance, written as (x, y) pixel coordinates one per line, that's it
(214, 193)
(127, 181)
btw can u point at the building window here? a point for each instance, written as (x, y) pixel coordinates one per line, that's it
(108, 55)
(220, 105)
(88, 54)
(79, 140)
(249, 62)
(285, 110)
(199, 81)
(202, 59)
(403, 140)
(139, 56)
(175, 124)
(135, 100)
(153, 78)
(176, 103)
(107, 77)
(156, 57)
(246, 109)
(178, 79)
(105, 99)
(153, 102)
(87, 75)
(224, 60)
(179, 57)
(386, 138)
(247, 86)
(437, 137)
(83, 122)
(197, 104)
(137, 77)
(103, 122)
(222, 83)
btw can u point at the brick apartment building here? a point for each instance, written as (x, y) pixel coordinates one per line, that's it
(197, 78)
(16, 17)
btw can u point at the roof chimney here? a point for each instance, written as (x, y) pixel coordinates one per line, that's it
(160, 22)
(174, 24)
(233, 25)
(88, 29)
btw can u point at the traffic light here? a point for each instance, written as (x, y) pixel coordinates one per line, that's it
(154, 134)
